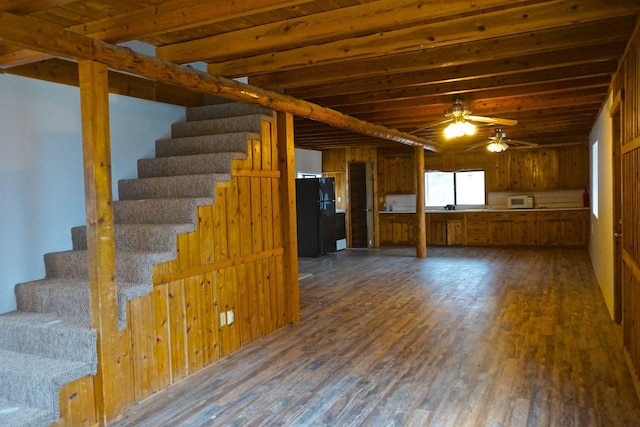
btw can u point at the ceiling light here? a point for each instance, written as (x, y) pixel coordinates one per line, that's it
(497, 147)
(458, 128)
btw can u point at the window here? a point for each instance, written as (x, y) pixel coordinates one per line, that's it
(454, 188)
(594, 179)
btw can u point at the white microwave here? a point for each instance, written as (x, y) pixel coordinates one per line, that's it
(523, 201)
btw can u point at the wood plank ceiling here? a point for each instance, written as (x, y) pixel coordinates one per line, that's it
(397, 63)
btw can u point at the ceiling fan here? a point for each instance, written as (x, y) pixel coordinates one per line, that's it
(461, 118)
(499, 142)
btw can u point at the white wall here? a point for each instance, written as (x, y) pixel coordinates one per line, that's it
(41, 179)
(601, 243)
(309, 161)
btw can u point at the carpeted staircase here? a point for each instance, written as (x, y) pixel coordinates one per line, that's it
(48, 341)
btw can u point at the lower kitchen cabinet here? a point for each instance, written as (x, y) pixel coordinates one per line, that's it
(397, 229)
(445, 228)
(499, 228)
(524, 230)
(563, 228)
(518, 228)
(476, 231)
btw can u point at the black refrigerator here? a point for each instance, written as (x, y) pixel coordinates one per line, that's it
(316, 211)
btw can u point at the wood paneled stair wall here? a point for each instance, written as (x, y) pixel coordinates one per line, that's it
(200, 273)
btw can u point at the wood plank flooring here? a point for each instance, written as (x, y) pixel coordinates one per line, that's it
(467, 337)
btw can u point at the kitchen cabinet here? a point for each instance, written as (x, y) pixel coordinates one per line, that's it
(499, 231)
(563, 228)
(397, 229)
(445, 228)
(454, 232)
(398, 174)
(436, 229)
(521, 228)
(476, 232)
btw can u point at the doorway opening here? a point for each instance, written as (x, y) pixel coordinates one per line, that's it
(361, 223)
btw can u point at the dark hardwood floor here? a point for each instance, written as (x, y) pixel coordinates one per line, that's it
(466, 337)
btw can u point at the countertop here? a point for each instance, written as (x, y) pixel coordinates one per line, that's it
(483, 210)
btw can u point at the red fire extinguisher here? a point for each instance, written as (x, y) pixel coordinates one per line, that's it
(585, 199)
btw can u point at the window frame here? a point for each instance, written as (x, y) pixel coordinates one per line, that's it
(455, 186)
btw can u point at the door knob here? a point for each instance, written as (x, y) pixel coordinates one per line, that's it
(617, 235)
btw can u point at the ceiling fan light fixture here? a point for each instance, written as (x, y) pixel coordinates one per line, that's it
(497, 147)
(459, 128)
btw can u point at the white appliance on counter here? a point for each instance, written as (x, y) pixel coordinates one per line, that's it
(520, 201)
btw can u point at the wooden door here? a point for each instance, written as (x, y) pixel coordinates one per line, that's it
(358, 209)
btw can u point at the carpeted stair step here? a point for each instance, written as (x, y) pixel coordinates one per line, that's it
(252, 123)
(22, 415)
(138, 237)
(233, 142)
(220, 111)
(188, 165)
(159, 211)
(35, 380)
(202, 185)
(48, 334)
(132, 267)
(70, 297)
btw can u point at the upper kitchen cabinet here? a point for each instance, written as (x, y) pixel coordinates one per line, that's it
(565, 167)
(573, 167)
(397, 172)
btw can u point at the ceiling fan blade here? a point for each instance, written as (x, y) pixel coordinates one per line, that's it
(430, 125)
(518, 142)
(473, 147)
(493, 120)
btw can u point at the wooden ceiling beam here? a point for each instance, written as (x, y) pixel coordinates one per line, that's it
(66, 72)
(25, 7)
(500, 107)
(589, 54)
(176, 16)
(513, 48)
(53, 40)
(338, 24)
(153, 20)
(551, 14)
(564, 76)
(535, 88)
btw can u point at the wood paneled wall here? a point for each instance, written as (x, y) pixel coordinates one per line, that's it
(553, 168)
(335, 164)
(231, 266)
(627, 87)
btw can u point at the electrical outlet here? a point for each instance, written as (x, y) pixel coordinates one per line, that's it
(223, 319)
(230, 317)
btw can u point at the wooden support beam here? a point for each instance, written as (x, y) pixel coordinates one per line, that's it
(515, 52)
(421, 224)
(594, 54)
(96, 146)
(338, 24)
(143, 23)
(284, 132)
(66, 72)
(526, 19)
(54, 40)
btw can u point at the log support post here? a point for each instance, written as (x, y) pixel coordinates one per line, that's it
(421, 224)
(96, 147)
(284, 124)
